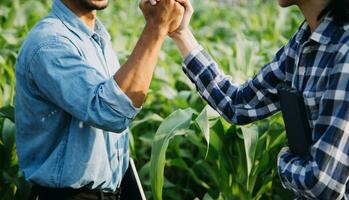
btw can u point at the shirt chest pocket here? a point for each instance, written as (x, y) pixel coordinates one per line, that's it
(314, 91)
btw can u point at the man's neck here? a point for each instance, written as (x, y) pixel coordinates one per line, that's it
(311, 10)
(86, 16)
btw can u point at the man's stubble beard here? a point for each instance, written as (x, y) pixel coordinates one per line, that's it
(287, 3)
(93, 4)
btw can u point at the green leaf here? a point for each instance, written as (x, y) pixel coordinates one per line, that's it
(265, 187)
(8, 112)
(206, 170)
(207, 197)
(279, 140)
(178, 163)
(8, 134)
(2, 60)
(150, 118)
(172, 126)
(250, 134)
(203, 123)
(10, 38)
(217, 131)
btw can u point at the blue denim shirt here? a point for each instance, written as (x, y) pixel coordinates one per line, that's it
(71, 116)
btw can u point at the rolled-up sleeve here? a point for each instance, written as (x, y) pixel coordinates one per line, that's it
(239, 104)
(117, 99)
(64, 77)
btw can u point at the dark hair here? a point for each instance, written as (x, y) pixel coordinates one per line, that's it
(338, 9)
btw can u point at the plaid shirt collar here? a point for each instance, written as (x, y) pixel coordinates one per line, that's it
(323, 34)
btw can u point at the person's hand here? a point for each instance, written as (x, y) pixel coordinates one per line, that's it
(182, 36)
(184, 26)
(165, 17)
(188, 13)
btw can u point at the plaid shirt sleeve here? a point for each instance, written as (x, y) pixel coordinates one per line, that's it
(239, 104)
(325, 174)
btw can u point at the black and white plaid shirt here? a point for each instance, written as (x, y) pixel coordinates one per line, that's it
(316, 64)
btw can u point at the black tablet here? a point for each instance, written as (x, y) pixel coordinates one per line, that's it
(295, 118)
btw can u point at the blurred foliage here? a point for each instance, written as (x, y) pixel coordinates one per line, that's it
(241, 161)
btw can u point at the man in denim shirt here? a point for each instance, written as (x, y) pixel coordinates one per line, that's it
(73, 101)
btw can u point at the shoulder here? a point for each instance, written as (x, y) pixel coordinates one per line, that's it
(343, 42)
(50, 32)
(291, 46)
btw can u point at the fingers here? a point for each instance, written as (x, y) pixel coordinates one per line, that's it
(186, 4)
(180, 7)
(144, 2)
(152, 2)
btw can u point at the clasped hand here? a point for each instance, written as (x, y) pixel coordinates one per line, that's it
(171, 17)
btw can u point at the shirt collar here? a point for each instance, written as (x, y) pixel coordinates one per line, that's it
(101, 30)
(74, 24)
(323, 34)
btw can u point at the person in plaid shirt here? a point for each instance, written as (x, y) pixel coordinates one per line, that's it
(315, 62)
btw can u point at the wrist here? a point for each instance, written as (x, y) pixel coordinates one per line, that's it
(155, 30)
(185, 41)
(180, 35)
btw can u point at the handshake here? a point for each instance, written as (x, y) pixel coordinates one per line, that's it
(167, 17)
(163, 18)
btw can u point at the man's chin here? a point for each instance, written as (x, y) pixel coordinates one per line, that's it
(287, 3)
(101, 7)
(96, 4)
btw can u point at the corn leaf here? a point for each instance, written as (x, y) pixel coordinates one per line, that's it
(250, 134)
(7, 112)
(8, 134)
(172, 126)
(203, 121)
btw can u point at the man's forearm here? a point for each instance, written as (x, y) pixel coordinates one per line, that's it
(135, 75)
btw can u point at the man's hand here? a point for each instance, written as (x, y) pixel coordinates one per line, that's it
(184, 25)
(188, 13)
(182, 36)
(165, 17)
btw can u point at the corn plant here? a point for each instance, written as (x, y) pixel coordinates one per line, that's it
(16, 18)
(12, 185)
(240, 165)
